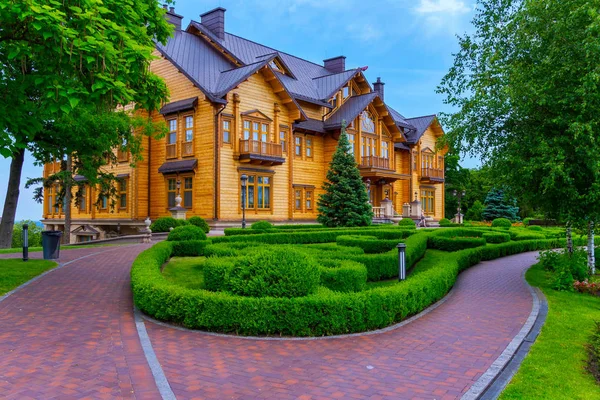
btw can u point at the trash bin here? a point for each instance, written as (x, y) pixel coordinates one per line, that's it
(51, 244)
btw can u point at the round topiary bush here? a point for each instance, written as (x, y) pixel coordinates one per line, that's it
(407, 223)
(535, 228)
(164, 224)
(282, 272)
(445, 222)
(262, 225)
(200, 222)
(188, 232)
(501, 223)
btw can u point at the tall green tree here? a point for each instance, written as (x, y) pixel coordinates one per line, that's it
(345, 201)
(498, 205)
(55, 55)
(526, 88)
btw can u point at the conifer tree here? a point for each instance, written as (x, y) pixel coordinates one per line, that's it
(345, 201)
(498, 206)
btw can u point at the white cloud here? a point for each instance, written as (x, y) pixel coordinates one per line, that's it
(365, 32)
(442, 6)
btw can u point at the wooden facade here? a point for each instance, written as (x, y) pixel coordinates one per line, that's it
(258, 128)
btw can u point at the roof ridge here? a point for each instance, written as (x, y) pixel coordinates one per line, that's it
(423, 116)
(336, 73)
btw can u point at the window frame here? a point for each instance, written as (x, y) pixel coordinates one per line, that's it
(284, 134)
(169, 191)
(309, 147)
(260, 132)
(254, 182)
(123, 186)
(428, 200)
(185, 190)
(298, 144)
(229, 121)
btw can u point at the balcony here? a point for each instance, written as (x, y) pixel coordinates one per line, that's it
(378, 169)
(172, 150)
(375, 162)
(432, 175)
(257, 152)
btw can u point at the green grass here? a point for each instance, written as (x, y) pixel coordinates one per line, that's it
(185, 271)
(555, 366)
(34, 249)
(15, 272)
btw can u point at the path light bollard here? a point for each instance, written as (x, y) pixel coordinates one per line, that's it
(401, 261)
(25, 235)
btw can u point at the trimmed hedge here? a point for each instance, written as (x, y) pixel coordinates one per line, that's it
(501, 223)
(528, 236)
(445, 222)
(199, 222)
(261, 226)
(190, 248)
(343, 275)
(188, 232)
(455, 243)
(496, 237)
(407, 223)
(164, 224)
(370, 244)
(322, 313)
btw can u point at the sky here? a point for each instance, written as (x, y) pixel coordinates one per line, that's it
(408, 43)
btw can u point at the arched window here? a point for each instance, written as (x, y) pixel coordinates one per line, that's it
(367, 122)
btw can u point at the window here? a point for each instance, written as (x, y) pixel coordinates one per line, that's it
(171, 192)
(440, 162)
(51, 199)
(415, 161)
(352, 139)
(104, 202)
(258, 131)
(309, 148)
(298, 196)
(346, 92)
(367, 124)
(246, 130)
(122, 153)
(172, 139)
(427, 160)
(226, 131)
(258, 192)
(369, 147)
(428, 200)
(187, 192)
(189, 128)
(283, 134)
(298, 146)
(385, 150)
(123, 193)
(309, 199)
(83, 198)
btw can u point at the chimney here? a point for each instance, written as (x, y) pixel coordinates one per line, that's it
(378, 87)
(214, 21)
(172, 18)
(335, 64)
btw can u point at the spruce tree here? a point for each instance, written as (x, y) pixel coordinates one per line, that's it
(498, 206)
(345, 201)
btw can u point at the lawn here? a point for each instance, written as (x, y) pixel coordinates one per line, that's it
(185, 271)
(15, 272)
(555, 367)
(33, 249)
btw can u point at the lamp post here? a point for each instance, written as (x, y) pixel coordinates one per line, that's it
(401, 261)
(25, 242)
(244, 179)
(459, 196)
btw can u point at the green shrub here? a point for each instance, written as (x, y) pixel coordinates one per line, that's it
(475, 211)
(199, 222)
(273, 273)
(262, 225)
(164, 224)
(501, 223)
(526, 221)
(445, 222)
(190, 248)
(343, 275)
(215, 269)
(535, 228)
(370, 244)
(496, 237)
(188, 232)
(407, 223)
(528, 236)
(34, 234)
(565, 266)
(455, 243)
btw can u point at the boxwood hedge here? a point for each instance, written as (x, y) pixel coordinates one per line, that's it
(496, 237)
(370, 244)
(324, 312)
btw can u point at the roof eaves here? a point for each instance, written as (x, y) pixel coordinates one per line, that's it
(257, 66)
(311, 100)
(339, 87)
(277, 55)
(302, 113)
(214, 39)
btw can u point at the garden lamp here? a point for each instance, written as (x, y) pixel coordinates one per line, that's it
(25, 242)
(401, 261)
(244, 179)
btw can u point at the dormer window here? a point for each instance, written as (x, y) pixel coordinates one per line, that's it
(345, 92)
(367, 124)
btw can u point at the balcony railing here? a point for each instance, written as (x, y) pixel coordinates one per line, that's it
(257, 147)
(122, 155)
(432, 173)
(187, 149)
(375, 162)
(172, 150)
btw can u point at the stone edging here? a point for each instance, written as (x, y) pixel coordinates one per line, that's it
(493, 381)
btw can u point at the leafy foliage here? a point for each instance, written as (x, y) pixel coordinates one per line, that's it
(475, 212)
(501, 223)
(185, 233)
(164, 224)
(261, 225)
(35, 234)
(445, 222)
(345, 201)
(407, 223)
(200, 222)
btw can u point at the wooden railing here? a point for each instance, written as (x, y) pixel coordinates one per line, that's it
(187, 149)
(375, 162)
(257, 147)
(432, 173)
(172, 150)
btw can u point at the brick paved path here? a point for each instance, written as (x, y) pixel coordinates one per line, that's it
(71, 334)
(438, 356)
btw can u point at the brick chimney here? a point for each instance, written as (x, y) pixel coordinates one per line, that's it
(172, 18)
(335, 64)
(378, 87)
(214, 21)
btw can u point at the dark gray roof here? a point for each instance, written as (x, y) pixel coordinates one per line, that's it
(349, 110)
(402, 146)
(181, 105)
(328, 85)
(171, 167)
(230, 79)
(314, 125)
(421, 124)
(84, 230)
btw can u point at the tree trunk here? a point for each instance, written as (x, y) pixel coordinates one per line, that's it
(12, 198)
(590, 249)
(569, 238)
(67, 202)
